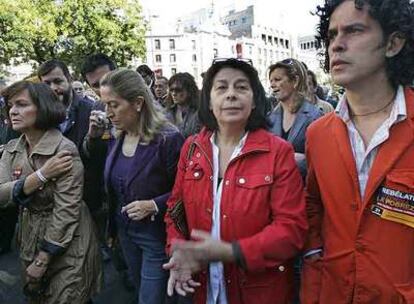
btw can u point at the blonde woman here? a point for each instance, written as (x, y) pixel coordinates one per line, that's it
(139, 175)
(292, 116)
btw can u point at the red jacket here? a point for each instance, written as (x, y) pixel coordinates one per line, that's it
(366, 259)
(262, 207)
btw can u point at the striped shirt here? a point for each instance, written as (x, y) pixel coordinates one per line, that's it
(364, 157)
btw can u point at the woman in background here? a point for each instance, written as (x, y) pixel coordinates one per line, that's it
(183, 103)
(293, 115)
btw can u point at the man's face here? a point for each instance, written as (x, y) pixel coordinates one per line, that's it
(93, 78)
(58, 82)
(78, 87)
(356, 46)
(161, 86)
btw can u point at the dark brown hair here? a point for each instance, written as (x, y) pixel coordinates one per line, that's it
(50, 110)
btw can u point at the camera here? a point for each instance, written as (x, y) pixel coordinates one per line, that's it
(102, 117)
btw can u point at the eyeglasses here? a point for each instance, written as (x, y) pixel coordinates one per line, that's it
(176, 90)
(245, 60)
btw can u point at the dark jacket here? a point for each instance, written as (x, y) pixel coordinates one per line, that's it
(306, 114)
(152, 178)
(76, 130)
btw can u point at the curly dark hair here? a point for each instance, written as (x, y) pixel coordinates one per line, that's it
(187, 82)
(393, 16)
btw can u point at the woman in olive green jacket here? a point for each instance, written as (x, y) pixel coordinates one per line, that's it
(42, 173)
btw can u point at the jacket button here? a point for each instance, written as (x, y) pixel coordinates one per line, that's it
(198, 155)
(242, 180)
(354, 207)
(227, 182)
(359, 247)
(224, 216)
(281, 268)
(196, 174)
(267, 178)
(191, 162)
(208, 210)
(211, 177)
(228, 281)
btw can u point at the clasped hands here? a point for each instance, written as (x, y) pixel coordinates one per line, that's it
(189, 257)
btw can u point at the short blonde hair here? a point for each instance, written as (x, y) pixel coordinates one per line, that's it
(295, 70)
(130, 85)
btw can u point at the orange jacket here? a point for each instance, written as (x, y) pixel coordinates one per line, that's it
(366, 259)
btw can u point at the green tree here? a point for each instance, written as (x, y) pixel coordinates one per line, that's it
(37, 30)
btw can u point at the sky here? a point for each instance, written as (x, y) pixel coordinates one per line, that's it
(294, 13)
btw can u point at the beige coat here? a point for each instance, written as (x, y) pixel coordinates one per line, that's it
(56, 214)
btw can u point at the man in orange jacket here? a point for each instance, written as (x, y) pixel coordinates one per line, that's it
(360, 188)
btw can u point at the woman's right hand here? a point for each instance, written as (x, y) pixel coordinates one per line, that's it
(58, 164)
(180, 279)
(97, 121)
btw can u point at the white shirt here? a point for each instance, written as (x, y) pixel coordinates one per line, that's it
(364, 158)
(216, 293)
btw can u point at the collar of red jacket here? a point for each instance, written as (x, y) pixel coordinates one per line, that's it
(257, 140)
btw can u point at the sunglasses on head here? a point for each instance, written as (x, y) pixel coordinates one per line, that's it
(288, 61)
(245, 60)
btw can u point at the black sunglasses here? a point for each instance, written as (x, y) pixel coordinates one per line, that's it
(287, 61)
(176, 89)
(245, 60)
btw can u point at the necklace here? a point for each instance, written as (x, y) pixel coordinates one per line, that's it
(376, 111)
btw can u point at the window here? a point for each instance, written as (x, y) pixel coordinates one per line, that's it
(172, 58)
(172, 44)
(215, 53)
(243, 19)
(158, 58)
(269, 39)
(193, 43)
(264, 38)
(194, 58)
(157, 44)
(287, 43)
(250, 50)
(173, 71)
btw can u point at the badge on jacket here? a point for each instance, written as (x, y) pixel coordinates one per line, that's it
(17, 172)
(394, 205)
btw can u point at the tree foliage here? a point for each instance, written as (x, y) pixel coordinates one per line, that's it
(37, 30)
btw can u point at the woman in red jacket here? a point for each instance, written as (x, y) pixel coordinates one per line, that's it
(242, 195)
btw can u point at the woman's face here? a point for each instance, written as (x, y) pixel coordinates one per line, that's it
(23, 112)
(123, 114)
(178, 93)
(283, 88)
(231, 97)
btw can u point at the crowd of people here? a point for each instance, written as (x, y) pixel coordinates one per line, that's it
(220, 194)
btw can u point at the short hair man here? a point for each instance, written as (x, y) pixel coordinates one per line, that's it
(161, 89)
(360, 189)
(55, 73)
(94, 67)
